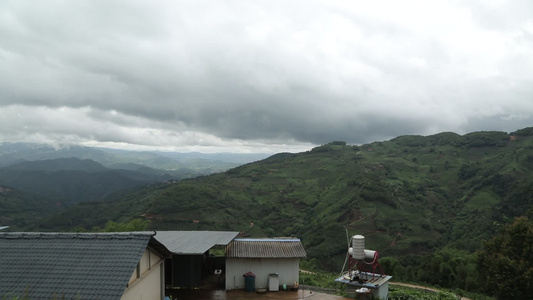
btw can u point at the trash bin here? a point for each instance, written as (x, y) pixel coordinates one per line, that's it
(273, 282)
(249, 281)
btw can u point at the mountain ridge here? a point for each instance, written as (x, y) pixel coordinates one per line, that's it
(201, 163)
(410, 195)
(425, 203)
(419, 192)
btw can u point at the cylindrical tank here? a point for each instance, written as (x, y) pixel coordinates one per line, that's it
(358, 245)
(369, 254)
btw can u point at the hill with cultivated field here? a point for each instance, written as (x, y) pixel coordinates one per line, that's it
(410, 194)
(425, 203)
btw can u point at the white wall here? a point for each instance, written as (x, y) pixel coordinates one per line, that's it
(382, 292)
(149, 285)
(287, 269)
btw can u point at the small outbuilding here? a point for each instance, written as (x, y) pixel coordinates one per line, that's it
(81, 266)
(192, 264)
(273, 263)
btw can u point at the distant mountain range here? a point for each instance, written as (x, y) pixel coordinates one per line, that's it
(201, 163)
(47, 179)
(73, 180)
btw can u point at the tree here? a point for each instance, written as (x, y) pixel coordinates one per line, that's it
(505, 263)
(133, 225)
(449, 268)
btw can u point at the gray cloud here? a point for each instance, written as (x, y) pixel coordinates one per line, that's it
(249, 76)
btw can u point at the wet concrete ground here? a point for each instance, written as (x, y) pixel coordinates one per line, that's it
(243, 295)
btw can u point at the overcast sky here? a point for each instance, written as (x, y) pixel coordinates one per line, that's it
(261, 76)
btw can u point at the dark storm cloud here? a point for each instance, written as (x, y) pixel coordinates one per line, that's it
(270, 75)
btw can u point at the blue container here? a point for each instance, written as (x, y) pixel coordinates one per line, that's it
(249, 283)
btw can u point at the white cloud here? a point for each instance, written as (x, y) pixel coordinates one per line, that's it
(262, 75)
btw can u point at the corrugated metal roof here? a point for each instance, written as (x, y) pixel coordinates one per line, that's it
(266, 248)
(193, 242)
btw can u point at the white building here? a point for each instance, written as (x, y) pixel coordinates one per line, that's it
(267, 259)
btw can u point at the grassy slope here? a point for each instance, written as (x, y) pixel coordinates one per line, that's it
(409, 195)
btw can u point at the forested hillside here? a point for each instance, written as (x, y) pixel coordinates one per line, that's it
(72, 180)
(52, 177)
(411, 197)
(21, 210)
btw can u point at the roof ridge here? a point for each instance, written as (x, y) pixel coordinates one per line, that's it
(77, 264)
(268, 239)
(80, 235)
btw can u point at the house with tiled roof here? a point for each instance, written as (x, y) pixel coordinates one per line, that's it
(273, 262)
(82, 266)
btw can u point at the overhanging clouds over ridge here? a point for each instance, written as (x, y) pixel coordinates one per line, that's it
(261, 76)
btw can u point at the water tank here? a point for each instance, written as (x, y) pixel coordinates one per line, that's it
(370, 254)
(358, 245)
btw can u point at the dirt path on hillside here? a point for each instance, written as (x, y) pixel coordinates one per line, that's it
(422, 288)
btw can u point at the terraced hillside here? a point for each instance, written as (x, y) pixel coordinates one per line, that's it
(409, 195)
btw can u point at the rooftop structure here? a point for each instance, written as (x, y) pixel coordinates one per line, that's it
(70, 265)
(194, 242)
(191, 262)
(266, 248)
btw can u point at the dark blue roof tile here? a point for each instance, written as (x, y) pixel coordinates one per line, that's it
(69, 265)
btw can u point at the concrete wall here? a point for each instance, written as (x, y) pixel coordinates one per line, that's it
(382, 292)
(146, 282)
(286, 268)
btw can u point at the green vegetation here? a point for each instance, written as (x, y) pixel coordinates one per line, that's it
(320, 279)
(405, 293)
(71, 180)
(506, 261)
(110, 226)
(20, 210)
(425, 203)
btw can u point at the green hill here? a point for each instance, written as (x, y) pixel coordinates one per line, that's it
(72, 180)
(412, 195)
(20, 210)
